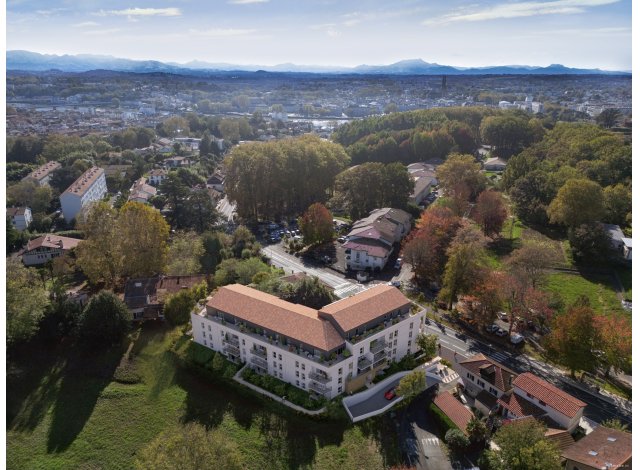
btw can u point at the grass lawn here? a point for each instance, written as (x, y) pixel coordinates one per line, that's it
(598, 289)
(64, 410)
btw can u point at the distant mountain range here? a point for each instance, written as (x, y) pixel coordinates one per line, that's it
(32, 61)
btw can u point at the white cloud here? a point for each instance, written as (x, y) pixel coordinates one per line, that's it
(142, 12)
(518, 10)
(101, 32)
(221, 32)
(85, 24)
(246, 2)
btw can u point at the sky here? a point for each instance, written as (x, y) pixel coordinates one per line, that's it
(575, 33)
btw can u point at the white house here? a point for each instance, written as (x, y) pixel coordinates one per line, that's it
(90, 187)
(327, 352)
(495, 164)
(533, 396)
(44, 248)
(157, 176)
(42, 175)
(141, 191)
(480, 374)
(20, 217)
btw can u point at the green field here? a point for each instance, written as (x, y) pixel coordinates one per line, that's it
(64, 410)
(597, 288)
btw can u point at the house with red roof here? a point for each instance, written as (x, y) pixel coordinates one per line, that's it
(533, 396)
(459, 414)
(604, 448)
(47, 247)
(481, 374)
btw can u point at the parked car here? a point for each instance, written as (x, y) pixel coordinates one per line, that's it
(500, 332)
(342, 239)
(492, 328)
(503, 316)
(398, 264)
(390, 394)
(394, 283)
(517, 338)
(362, 276)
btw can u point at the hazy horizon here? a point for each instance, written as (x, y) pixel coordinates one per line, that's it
(576, 33)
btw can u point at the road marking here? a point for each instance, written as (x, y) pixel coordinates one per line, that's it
(430, 441)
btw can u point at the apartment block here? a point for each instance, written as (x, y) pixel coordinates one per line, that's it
(90, 187)
(327, 352)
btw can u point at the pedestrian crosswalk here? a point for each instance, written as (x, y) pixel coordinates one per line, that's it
(346, 289)
(430, 441)
(498, 356)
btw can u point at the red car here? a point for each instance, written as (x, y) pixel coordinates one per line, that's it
(390, 394)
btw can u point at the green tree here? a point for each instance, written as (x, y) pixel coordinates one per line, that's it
(309, 291)
(184, 254)
(15, 239)
(316, 224)
(175, 126)
(608, 117)
(457, 441)
(412, 384)
(29, 194)
(589, 243)
(190, 447)
(465, 262)
(213, 244)
(508, 133)
(617, 204)
(616, 424)
(532, 259)
(523, 446)
(573, 339)
(177, 308)
(105, 319)
(579, 201)
(428, 344)
(26, 301)
(200, 211)
(477, 430)
(143, 235)
(461, 171)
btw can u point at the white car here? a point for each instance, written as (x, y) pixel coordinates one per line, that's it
(517, 338)
(503, 316)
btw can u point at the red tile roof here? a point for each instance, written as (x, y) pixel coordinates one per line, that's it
(267, 311)
(561, 438)
(52, 241)
(550, 394)
(456, 411)
(85, 181)
(365, 307)
(371, 246)
(41, 172)
(520, 407)
(493, 373)
(612, 449)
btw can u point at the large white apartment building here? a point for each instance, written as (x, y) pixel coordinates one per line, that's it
(329, 351)
(90, 187)
(42, 175)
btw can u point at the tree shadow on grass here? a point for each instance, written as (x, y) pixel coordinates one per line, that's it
(84, 379)
(288, 437)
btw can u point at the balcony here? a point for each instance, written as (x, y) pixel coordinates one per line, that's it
(259, 352)
(231, 349)
(231, 340)
(379, 355)
(363, 362)
(259, 362)
(380, 362)
(379, 345)
(319, 377)
(322, 389)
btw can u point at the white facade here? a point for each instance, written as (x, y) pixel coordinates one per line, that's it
(307, 372)
(41, 255)
(360, 259)
(22, 219)
(72, 202)
(563, 420)
(157, 177)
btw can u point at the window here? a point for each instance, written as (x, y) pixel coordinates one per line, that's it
(222, 334)
(209, 327)
(279, 357)
(395, 342)
(303, 366)
(297, 383)
(339, 380)
(280, 374)
(303, 385)
(351, 366)
(494, 391)
(202, 324)
(542, 403)
(481, 383)
(409, 343)
(390, 336)
(280, 366)
(297, 364)
(340, 371)
(361, 351)
(274, 354)
(410, 334)
(210, 337)
(243, 342)
(205, 342)
(394, 352)
(303, 377)
(297, 373)
(204, 334)
(395, 334)
(339, 389)
(529, 395)
(275, 364)
(411, 326)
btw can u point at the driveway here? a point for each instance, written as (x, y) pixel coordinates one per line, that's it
(375, 402)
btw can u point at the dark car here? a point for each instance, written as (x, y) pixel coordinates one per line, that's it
(390, 394)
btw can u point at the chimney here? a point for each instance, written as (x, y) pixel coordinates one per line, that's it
(510, 379)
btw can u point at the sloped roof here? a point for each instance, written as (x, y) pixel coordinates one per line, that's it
(373, 247)
(13, 211)
(365, 307)
(267, 311)
(602, 447)
(42, 171)
(455, 411)
(520, 406)
(499, 376)
(52, 241)
(561, 437)
(550, 394)
(84, 182)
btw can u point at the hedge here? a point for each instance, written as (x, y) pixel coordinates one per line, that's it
(280, 388)
(443, 421)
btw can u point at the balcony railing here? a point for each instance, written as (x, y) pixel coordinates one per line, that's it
(316, 387)
(380, 362)
(231, 340)
(259, 362)
(319, 377)
(229, 348)
(379, 345)
(259, 352)
(364, 362)
(379, 355)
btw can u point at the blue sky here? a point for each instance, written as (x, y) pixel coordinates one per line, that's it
(578, 33)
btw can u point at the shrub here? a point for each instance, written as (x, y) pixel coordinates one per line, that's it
(441, 419)
(105, 319)
(456, 440)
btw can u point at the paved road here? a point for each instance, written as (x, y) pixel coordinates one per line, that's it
(226, 208)
(598, 409)
(280, 258)
(376, 402)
